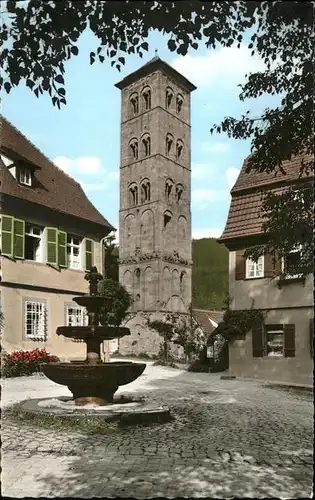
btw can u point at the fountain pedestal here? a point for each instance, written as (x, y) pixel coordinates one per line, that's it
(93, 381)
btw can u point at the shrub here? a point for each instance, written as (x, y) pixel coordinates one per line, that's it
(199, 366)
(22, 363)
(117, 301)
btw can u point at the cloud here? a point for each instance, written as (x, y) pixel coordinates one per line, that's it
(201, 198)
(86, 165)
(201, 171)
(232, 174)
(93, 186)
(217, 147)
(228, 64)
(206, 233)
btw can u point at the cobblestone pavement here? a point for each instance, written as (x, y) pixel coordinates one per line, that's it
(229, 438)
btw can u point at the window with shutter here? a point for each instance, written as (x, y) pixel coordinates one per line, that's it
(88, 254)
(240, 263)
(274, 340)
(258, 340)
(272, 265)
(7, 235)
(52, 245)
(289, 340)
(18, 238)
(62, 249)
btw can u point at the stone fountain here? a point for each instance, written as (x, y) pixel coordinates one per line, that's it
(93, 381)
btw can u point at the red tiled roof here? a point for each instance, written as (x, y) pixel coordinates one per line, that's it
(244, 218)
(52, 187)
(203, 317)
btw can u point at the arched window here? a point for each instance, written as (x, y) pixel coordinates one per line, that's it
(145, 191)
(167, 218)
(133, 195)
(179, 193)
(169, 184)
(146, 145)
(146, 96)
(179, 149)
(134, 103)
(169, 94)
(179, 103)
(133, 145)
(182, 282)
(169, 141)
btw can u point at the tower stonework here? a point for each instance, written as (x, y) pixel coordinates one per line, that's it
(155, 197)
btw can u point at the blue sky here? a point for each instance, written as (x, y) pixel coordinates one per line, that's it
(83, 137)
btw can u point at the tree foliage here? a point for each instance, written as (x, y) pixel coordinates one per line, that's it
(39, 37)
(210, 274)
(117, 302)
(111, 259)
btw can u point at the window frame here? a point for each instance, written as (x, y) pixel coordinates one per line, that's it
(250, 261)
(22, 172)
(40, 237)
(38, 302)
(72, 246)
(273, 329)
(291, 276)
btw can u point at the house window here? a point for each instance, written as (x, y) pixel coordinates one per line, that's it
(33, 243)
(74, 252)
(255, 269)
(274, 341)
(291, 262)
(25, 176)
(35, 324)
(76, 316)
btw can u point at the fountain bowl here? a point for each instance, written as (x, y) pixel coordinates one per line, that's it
(100, 332)
(93, 384)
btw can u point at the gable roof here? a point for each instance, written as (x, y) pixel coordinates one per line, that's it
(152, 65)
(207, 320)
(244, 217)
(52, 187)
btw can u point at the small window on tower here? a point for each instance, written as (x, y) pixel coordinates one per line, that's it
(179, 149)
(167, 218)
(145, 191)
(168, 189)
(146, 143)
(179, 193)
(134, 102)
(133, 144)
(133, 195)
(146, 95)
(179, 103)
(169, 144)
(168, 97)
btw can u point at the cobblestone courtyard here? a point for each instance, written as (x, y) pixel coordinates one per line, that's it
(229, 438)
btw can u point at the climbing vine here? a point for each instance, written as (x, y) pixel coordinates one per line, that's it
(237, 323)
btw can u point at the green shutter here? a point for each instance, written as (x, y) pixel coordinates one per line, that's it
(7, 235)
(88, 254)
(18, 238)
(62, 249)
(52, 253)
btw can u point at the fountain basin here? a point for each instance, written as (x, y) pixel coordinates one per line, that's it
(92, 303)
(94, 384)
(100, 332)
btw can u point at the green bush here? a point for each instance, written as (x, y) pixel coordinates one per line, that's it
(22, 363)
(117, 302)
(199, 366)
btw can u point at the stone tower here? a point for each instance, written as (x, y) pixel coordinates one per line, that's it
(155, 192)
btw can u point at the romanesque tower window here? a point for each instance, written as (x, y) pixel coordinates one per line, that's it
(146, 145)
(134, 103)
(145, 191)
(146, 96)
(168, 97)
(169, 144)
(179, 193)
(179, 149)
(182, 282)
(167, 219)
(169, 184)
(179, 103)
(133, 145)
(133, 195)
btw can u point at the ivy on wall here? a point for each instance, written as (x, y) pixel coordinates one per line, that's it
(236, 324)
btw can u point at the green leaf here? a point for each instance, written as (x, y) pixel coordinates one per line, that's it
(59, 79)
(171, 45)
(74, 50)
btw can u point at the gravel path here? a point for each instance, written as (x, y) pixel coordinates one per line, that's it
(229, 438)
